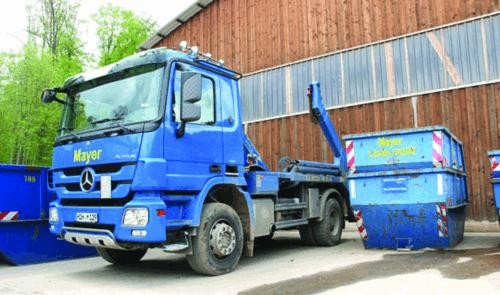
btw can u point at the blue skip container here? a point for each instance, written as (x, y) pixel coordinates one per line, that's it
(24, 229)
(408, 188)
(495, 179)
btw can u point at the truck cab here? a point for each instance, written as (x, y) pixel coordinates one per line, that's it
(151, 153)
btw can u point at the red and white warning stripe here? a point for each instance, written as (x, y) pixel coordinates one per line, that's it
(442, 221)
(437, 148)
(349, 144)
(359, 224)
(6, 216)
(495, 166)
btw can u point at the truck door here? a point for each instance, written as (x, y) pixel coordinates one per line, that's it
(197, 156)
(232, 130)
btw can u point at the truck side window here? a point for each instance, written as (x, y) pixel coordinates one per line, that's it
(207, 101)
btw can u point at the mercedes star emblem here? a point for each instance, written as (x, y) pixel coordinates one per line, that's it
(87, 180)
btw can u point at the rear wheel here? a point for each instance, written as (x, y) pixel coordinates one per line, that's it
(329, 231)
(307, 235)
(121, 256)
(218, 245)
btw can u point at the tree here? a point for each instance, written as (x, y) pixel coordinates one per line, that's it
(53, 23)
(28, 125)
(120, 32)
(52, 54)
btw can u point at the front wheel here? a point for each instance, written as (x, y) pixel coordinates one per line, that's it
(218, 245)
(121, 256)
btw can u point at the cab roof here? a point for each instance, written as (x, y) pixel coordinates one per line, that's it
(152, 56)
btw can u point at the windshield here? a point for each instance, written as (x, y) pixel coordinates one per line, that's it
(127, 97)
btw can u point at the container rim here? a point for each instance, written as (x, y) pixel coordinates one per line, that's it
(402, 131)
(494, 153)
(22, 167)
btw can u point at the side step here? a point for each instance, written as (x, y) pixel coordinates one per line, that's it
(175, 248)
(290, 223)
(183, 245)
(290, 206)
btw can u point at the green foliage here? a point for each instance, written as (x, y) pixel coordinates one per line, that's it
(52, 54)
(120, 32)
(53, 25)
(27, 127)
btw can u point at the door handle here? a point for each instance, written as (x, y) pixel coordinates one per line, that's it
(215, 168)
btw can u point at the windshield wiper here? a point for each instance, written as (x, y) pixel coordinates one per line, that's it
(117, 124)
(106, 120)
(123, 127)
(69, 131)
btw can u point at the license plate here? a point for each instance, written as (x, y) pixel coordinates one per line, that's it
(86, 217)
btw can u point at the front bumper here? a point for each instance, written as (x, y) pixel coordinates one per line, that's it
(109, 232)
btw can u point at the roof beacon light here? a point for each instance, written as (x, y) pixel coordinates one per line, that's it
(195, 51)
(183, 45)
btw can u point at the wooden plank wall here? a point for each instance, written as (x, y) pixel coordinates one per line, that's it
(255, 34)
(472, 114)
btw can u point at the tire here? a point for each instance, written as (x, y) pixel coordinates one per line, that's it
(121, 256)
(329, 231)
(307, 235)
(208, 258)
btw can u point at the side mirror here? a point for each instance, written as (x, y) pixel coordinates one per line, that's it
(191, 89)
(48, 96)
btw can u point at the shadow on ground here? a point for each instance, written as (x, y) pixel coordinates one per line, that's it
(453, 264)
(176, 266)
(159, 269)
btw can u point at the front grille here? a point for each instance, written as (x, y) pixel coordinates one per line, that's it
(75, 187)
(99, 169)
(118, 202)
(50, 178)
(109, 227)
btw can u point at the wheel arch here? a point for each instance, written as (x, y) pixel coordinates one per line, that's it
(236, 198)
(340, 194)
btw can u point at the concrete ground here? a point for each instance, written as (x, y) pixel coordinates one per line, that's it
(283, 266)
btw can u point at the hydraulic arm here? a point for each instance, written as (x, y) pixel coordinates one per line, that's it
(252, 155)
(319, 115)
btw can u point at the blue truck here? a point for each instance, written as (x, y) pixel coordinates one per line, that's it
(151, 153)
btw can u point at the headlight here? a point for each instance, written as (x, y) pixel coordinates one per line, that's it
(53, 214)
(136, 217)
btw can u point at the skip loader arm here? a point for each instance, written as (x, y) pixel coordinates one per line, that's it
(319, 115)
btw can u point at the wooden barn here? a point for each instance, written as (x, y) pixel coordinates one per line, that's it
(382, 64)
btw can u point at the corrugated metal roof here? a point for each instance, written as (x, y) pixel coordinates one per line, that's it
(176, 22)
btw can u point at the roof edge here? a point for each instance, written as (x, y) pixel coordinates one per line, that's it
(177, 21)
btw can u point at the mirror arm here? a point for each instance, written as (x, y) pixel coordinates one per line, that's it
(59, 100)
(179, 132)
(60, 90)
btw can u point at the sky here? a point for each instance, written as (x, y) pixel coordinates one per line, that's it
(13, 18)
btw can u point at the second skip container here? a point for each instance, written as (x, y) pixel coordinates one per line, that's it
(24, 226)
(495, 179)
(408, 187)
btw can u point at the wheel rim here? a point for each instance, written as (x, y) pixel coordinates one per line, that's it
(334, 222)
(222, 239)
